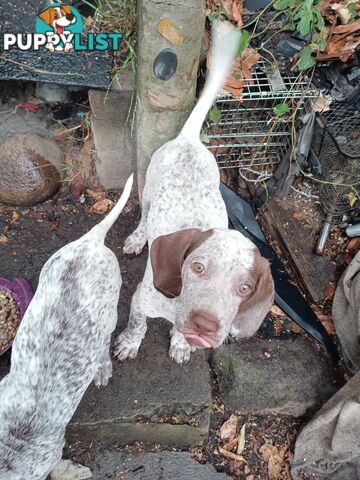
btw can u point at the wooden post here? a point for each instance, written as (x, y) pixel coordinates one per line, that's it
(164, 105)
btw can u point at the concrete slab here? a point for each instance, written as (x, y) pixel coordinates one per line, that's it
(112, 114)
(288, 377)
(150, 399)
(151, 466)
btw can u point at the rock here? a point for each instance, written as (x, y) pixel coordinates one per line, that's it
(274, 376)
(152, 466)
(68, 470)
(111, 126)
(30, 169)
(150, 399)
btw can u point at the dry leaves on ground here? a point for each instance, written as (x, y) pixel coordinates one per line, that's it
(229, 428)
(275, 458)
(326, 320)
(102, 204)
(330, 291)
(15, 216)
(344, 31)
(3, 239)
(241, 72)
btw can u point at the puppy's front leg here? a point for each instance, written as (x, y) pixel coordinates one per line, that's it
(179, 348)
(128, 342)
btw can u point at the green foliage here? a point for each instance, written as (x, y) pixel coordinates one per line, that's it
(352, 9)
(244, 41)
(215, 115)
(303, 17)
(306, 59)
(281, 109)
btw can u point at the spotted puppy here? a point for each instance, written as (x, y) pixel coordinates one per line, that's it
(207, 280)
(61, 346)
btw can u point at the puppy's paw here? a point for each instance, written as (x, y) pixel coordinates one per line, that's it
(125, 347)
(180, 352)
(104, 374)
(134, 244)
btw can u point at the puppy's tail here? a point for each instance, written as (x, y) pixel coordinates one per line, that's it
(110, 219)
(225, 45)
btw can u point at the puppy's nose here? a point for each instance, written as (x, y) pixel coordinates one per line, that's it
(204, 322)
(70, 17)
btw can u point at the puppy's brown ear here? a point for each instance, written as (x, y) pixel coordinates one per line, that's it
(167, 255)
(66, 9)
(254, 309)
(47, 15)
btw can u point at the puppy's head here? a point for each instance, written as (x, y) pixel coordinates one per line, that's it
(222, 284)
(58, 17)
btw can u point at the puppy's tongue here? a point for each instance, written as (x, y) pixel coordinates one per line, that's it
(59, 29)
(197, 340)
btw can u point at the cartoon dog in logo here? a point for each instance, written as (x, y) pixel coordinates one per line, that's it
(58, 18)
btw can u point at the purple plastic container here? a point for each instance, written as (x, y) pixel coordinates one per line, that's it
(22, 292)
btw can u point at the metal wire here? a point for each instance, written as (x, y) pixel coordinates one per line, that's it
(248, 133)
(336, 146)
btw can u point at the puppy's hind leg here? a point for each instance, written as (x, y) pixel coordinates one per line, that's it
(104, 372)
(128, 342)
(137, 240)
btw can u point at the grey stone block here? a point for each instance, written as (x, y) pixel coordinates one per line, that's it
(153, 466)
(293, 377)
(111, 125)
(150, 399)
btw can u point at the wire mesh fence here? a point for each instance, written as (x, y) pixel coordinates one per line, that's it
(249, 135)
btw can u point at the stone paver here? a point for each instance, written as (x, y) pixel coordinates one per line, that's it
(149, 399)
(153, 466)
(112, 119)
(274, 376)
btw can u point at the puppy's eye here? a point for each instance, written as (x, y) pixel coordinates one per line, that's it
(244, 289)
(56, 15)
(198, 267)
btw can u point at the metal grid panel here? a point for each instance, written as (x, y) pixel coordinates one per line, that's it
(248, 134)
(333, 137)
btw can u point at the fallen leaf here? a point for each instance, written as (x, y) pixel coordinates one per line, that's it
(274, 456)
(231, 445)
(227, 5)
(321, 104)
(298, 215)
(168, 30)
(330, 291)
(96, 193)
(326, 320)
(241, 440)
(15, 216)
(354, 244)
(3, 239)
(102, 206)
(241, 72)
(228, 429)
(236, 11)
(231, 455)
(54, 226)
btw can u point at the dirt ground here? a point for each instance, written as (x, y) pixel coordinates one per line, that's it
(35, 233)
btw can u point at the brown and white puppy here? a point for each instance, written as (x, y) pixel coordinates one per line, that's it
(59, 18)
(207, 280)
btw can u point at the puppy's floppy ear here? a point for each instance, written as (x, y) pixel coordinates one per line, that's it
(167, 255)
(47, 15)
(66, 9)
(253, 310)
